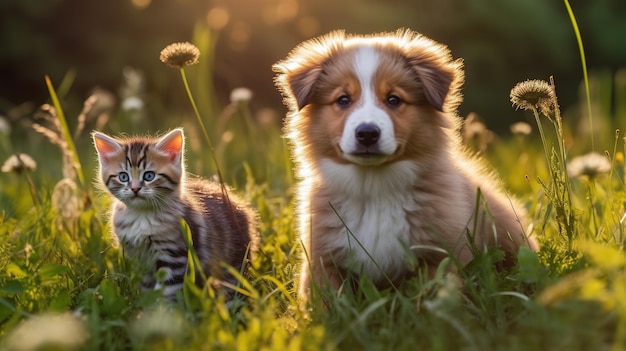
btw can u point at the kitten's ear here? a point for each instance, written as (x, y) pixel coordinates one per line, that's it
(105, 146)
(172, 144)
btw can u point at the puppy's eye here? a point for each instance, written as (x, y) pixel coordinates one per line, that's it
(393, 101)
(148, 176)
(123, 177)
(343, 101)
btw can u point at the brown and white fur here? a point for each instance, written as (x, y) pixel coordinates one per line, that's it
(373, 130)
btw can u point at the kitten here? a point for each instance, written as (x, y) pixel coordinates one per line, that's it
(147, 178)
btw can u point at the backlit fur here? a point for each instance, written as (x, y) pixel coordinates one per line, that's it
(413, 191)
(152, 194)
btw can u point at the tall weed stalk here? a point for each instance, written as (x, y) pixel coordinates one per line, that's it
(583, 62)
(67, 135)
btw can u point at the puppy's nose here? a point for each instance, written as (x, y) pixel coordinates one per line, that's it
(367, 134)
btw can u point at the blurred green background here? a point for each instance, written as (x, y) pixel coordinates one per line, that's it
(102, 44)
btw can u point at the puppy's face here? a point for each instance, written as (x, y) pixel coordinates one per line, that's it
(366, 100)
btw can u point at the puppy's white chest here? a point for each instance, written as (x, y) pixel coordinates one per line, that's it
(375, 233)
(371, 222)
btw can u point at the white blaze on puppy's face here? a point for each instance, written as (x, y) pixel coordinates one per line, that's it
(368, 134)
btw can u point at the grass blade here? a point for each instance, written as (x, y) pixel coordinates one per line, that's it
(583, 61)
(67, 136)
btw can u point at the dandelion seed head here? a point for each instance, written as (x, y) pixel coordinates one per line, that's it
(240, 95)
(18, 163)
(533, 94)
(590, 165)
(132, 103)
(521, 129)
(179, 55)
(475, 133)
(49, 332)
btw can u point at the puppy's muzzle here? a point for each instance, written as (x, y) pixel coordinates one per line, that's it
(367, 146)
(367, 134)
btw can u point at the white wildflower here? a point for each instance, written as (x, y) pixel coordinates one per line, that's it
(18, 163)
(48, 332)
(132, 103)
(475, 133)
(521, 128)
(240, 95)
(162, 322)
(590, 165)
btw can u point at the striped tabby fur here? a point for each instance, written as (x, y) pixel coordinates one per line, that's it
(147, 178)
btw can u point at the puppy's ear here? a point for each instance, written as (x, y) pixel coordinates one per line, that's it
(298, 74)
(296, 82)
(441, 77)
(440, 80)
(436, 82)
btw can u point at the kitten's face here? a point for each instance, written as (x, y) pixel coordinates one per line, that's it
(141, 172)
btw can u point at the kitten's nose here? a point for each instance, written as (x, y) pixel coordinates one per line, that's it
(135, 186)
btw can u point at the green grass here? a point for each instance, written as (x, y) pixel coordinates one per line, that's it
(569, 296)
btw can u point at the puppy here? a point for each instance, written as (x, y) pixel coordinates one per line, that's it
(383, 178)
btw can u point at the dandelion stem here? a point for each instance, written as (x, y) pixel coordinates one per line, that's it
(543, 137)
(208, 140)
(33, 192)
(204, 131)
(594, 221)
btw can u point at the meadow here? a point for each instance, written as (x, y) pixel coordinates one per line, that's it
(64, 286)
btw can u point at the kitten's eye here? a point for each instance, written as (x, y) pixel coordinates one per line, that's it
(343, 101)
(148, 176)
(393, 101)
(123, 177)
